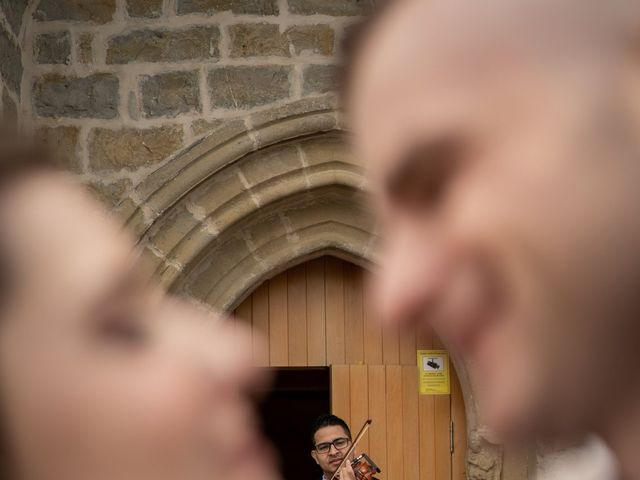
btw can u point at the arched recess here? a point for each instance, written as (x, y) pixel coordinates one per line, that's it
(258, 196)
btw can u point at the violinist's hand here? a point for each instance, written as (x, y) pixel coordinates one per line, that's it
(347, 473)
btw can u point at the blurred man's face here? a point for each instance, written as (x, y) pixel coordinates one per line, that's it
(508, 195)
(330, 461)
(103, 377)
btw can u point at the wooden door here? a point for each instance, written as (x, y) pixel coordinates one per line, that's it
(319, 314)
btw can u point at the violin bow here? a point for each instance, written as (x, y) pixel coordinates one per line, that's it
(361, 433)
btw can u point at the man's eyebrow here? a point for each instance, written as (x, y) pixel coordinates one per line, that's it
(430, 160)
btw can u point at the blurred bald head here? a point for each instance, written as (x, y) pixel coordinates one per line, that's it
(428, 34)
(502, 139)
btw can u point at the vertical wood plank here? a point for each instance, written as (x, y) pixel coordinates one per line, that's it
(372, 328)
(278, 324)
(244, 312)
(426, 407)
(390, 345)
(424, 338)
(359, 381)
(410, 423)
(316, 333)
(408, 347)
(297, 315)
(334, 291)
(341, 392)
(377, 383)
(442, 407)
(458, 416)
(353, 314)
(260, 325)
(395, 458)
(426, 413)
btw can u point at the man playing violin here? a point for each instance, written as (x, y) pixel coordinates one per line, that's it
(331, 439)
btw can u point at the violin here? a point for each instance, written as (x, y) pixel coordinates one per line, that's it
(363, 466)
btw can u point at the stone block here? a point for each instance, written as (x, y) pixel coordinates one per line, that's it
(13, 11)
(53, 48)
(170, 94)
(216, 192)
(95, 11)
(320, 79)
(62, 142)
(317, 39)
(111, 194)
(175, 225)
(9, 108)
(94, 96)
(144, 8)
(10, 61)
(201, 126)
(85, 48)
(131, 148)
(244, 7)
(297, 109)
(330, 148)
(245, 87)
(328, 7)
(270, 163)
(258, 40)
(195, 43)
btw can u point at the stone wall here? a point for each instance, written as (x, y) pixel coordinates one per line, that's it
(120, 86)
(11, 65)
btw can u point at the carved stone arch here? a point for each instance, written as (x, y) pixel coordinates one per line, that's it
(258, 196)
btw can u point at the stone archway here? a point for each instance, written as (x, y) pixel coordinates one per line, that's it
(257, 196)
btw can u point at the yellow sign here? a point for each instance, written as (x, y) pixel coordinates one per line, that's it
(433, 366)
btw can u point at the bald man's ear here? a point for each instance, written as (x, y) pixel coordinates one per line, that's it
(315, 456)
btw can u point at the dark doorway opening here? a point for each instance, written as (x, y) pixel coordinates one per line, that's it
(298, 397)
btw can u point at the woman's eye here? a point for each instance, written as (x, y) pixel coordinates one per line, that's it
(124, 330)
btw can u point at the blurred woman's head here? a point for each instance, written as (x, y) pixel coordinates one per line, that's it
(102, 376)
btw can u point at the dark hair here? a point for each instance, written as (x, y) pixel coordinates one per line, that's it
(328, 420)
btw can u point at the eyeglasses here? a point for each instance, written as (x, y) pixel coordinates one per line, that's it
(339, 443)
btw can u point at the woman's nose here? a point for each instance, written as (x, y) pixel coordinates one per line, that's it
(219, 348)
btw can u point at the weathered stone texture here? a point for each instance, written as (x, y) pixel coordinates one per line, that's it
(248, 86)
(320, 79)
(14, 10)
(63, 144)
(202, 126)
(328, 7)
(94, 96)
(9, 108)
(85, 48)
(10, 61)
(265, 39)
(257, 39)
(210, 7)
(53, 48)
(110, 194)
(144, 8)
(96, 11)
(196, 43)
(170, 94)
(131, 148)
(318, 39)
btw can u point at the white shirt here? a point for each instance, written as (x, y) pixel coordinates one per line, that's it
(592, 461)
